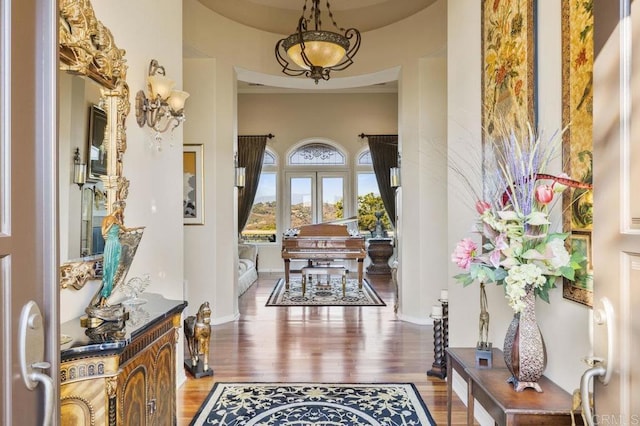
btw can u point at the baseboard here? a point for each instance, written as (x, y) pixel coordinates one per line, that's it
(460, 388)
(415, 320)
(224, 320)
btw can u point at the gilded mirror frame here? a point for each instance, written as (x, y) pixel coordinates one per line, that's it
(87, 48)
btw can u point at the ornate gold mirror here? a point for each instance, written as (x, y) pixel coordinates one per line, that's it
(94, 104)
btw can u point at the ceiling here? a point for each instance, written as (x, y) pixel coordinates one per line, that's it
(281, 16)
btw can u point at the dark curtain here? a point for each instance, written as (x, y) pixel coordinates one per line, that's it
(384, 155)
(250, 156)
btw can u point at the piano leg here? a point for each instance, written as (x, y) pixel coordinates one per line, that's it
(360, 267)
(286, 273)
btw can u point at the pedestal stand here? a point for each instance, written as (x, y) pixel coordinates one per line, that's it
(197, 371)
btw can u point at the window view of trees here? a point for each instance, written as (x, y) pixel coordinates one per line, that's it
(261, 225)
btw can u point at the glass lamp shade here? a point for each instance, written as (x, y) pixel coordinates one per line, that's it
(322, 48)
(177, 99)
(240, 177)
(394, 177)
(79, 174)
(160, 86)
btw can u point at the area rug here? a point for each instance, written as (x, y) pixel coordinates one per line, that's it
(324, 295)
(313, 404)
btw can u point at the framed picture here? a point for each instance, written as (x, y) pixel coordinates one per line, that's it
(508, 61)
(577, 142)
(193, 185)
(97, 148)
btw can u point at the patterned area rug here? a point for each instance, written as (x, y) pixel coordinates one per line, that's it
(313, 404)
(323, 294)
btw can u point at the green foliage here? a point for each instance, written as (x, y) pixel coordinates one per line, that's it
(368, 205)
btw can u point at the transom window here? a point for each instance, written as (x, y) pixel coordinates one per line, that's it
(316, 154)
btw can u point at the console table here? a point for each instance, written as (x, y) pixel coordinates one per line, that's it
(507, 407)
(123, 374)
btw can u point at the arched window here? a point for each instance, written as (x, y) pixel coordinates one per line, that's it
(316, 154)
(369, 200)
(262, 223)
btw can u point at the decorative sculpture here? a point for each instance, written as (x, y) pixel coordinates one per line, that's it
(483, 348)
(197, 333)
(121, 244)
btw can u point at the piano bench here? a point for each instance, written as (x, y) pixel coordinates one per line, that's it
(324, 270)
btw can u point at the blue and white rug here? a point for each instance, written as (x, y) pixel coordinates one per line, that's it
(324, 294)
(235, 404)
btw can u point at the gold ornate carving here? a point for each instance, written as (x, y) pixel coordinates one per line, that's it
(112, 386)
(87, 48)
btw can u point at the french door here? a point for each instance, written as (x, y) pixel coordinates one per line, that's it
(314, 197)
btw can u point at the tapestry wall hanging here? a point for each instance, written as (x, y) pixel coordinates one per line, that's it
(508, 60)
(577, 142)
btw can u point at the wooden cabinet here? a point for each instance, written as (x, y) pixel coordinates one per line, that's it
(123, 379)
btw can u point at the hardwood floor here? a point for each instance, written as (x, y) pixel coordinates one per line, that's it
(320, 344)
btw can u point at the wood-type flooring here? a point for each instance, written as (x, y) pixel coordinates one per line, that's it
(320, 344)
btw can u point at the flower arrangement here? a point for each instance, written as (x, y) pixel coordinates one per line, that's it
(518, 249)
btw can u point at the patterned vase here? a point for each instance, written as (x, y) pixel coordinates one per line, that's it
(524, 350)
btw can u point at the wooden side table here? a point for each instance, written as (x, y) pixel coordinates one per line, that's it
(507, 407)
(459, 359)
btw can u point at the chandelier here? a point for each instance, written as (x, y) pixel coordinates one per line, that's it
(316, 52)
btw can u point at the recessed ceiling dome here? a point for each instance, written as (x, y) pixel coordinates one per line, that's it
(280, 16)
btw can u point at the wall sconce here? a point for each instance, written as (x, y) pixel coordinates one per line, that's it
(79, 170)
(163, 106)
(240, 173)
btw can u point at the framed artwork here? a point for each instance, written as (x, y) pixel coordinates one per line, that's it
(508, 61)
(577, 142)
(193, 184)
(97, 147)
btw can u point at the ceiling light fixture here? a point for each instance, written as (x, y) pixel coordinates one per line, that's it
(314, 51)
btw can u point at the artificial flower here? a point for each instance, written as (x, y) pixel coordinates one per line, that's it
(519, 251)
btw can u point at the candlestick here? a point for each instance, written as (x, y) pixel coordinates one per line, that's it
(444, 295)
(436, 311)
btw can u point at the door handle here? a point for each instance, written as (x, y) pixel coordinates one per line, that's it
(31, 354)
(601, 367)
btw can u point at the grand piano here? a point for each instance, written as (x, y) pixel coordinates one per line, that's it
(323, 242)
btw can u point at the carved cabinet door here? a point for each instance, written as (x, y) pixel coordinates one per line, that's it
(164, 384)
(134, 396)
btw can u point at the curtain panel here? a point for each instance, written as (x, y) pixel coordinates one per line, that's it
(250, 156)
(384, 155)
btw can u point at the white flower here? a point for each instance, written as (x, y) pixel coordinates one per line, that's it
(559, 257)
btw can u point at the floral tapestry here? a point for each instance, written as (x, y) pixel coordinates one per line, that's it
(507, 63)
(577, 117)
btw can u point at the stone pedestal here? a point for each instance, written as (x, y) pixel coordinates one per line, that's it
(379, 251)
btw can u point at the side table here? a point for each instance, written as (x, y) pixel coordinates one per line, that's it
(489, 386)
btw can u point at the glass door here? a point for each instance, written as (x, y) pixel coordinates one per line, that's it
(315, 197)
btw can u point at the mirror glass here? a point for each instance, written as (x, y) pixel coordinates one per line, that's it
(82, 124)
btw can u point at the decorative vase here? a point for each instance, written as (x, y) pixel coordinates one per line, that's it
(524, 350)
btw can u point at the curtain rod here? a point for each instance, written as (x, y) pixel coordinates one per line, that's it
(362, 135)
(269, 135)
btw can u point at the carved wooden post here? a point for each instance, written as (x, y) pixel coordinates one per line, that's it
(439, 366)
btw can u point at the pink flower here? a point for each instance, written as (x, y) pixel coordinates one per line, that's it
(465, 252)
(544, 194)
(482, 206)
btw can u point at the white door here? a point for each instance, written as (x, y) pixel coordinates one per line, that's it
(28, 235)
(616, 229)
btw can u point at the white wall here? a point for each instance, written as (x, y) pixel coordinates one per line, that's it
(209, 35)
(147, 29)
(564, 324)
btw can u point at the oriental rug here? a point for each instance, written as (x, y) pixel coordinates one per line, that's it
(324, 294)
(313, 404)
